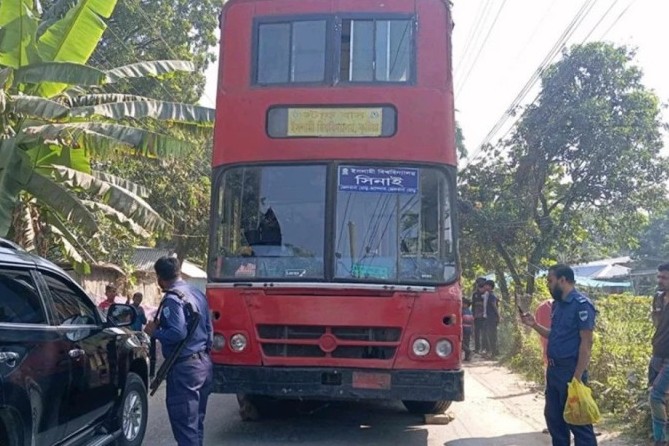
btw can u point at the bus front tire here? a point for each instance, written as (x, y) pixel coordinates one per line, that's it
(426, 407)
(256, 407)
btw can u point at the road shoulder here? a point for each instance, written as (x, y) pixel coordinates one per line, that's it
(525, 399)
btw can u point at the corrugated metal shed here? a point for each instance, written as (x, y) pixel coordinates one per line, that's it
(144, 258)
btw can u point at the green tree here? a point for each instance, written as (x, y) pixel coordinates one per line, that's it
(587, 152)
(53, 123)
(460, 142)
(180, 193)
(159, 30)
(654, 240)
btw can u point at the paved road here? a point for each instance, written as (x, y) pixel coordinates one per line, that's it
(500, 410)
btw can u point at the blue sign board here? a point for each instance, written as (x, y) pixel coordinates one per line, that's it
(394, 180)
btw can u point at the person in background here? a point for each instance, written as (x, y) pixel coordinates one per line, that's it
(658, 368)
(479, 320)
(111, 298)
(467, 328)
(141, 320)
(543, 317)
(491, 316)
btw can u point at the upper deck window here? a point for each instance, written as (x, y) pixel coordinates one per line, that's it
(291, 52)
(376, 50)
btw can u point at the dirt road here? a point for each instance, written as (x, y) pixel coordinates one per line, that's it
(500, 410)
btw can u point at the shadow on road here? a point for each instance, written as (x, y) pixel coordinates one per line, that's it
(524, 439)
(513, 395)
(339, 423)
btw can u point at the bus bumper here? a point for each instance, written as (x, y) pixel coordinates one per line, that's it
(340, 383)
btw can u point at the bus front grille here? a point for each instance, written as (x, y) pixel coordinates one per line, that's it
(302, 341)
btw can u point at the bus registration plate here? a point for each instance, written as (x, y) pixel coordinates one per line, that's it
(366, 380)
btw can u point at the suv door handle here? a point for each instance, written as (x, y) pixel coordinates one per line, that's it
(76, 353)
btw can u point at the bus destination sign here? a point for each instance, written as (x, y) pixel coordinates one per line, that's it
(335, 122)
(399, 180)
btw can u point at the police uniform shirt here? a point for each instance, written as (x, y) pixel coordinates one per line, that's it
(569, 316)
(173, 321)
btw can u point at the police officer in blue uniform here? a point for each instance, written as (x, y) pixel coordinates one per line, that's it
(569, 349)
(190, 379)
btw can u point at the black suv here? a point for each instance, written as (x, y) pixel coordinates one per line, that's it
(69, 375)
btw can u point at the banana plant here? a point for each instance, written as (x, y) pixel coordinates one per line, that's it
(54, 121)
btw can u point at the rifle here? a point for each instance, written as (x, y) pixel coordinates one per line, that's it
(166, 366)
(152, 345)
(152, 358)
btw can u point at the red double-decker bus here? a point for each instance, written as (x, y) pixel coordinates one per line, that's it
(333, 269)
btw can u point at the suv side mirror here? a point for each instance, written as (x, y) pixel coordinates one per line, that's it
(121, 315)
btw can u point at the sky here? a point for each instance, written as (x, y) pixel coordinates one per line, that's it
(499, 44)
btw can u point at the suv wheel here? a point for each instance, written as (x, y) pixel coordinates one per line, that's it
(133, 412)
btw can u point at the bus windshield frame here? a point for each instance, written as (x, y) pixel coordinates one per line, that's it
(370, 223)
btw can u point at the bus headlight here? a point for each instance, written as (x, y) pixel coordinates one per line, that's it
(444, 348)
(238, 342)
(421, 347)
(219, 342)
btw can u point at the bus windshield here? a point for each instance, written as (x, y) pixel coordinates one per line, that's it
(390, 224)
(272, 222)
(393, 224)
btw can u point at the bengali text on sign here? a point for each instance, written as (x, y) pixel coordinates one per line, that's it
(335, 122)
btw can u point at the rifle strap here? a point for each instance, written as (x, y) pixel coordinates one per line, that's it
(182, 297)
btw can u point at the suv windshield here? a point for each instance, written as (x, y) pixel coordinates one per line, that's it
(390, 224)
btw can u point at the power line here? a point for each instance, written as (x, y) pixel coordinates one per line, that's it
(601, 19)
(535, 31)
(624, 11)
(473, 32)
(536, 76)
(478, 54)
(554, 51)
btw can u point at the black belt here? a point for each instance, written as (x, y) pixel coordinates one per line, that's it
(562, 362)
(198, 355)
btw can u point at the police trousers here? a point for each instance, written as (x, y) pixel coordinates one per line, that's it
(558, 375)
(188, 386)
(658, 378)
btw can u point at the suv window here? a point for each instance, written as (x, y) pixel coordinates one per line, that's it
(71, 306)
(20, 302)
(291, 52)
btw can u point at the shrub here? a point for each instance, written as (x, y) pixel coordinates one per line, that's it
(619, 363)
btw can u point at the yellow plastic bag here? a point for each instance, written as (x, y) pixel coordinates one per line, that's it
(581, 408)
